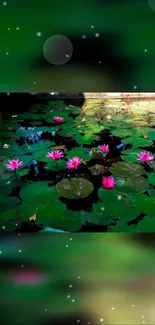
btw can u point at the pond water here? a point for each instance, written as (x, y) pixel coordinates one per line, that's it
(110, 141)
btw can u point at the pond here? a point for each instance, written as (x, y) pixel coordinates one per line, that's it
(65, 168)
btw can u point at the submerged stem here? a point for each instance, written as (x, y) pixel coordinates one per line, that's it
(16, 179)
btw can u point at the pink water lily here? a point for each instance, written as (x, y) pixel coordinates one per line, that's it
(104, 148)
(74, 162)
(145, 156)
(14, 164)
(55, 154)
(108, 182)
(58, 119)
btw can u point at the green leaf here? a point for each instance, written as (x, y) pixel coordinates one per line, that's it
(151, 134)
(74, 188)
(80, 152)
(122, 227)
(52, 165)
(39, 193)
(9, 221)
(137, 184)
(7, 203)
(86, 138)
(103, 214)
(138, 142)
(126, 169)
(144, 204)
(146, 225)
(151, 178)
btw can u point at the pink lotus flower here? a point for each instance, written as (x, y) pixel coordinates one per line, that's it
(108, 182)
(104, 148)
(145, 156)
(74, 162)
(58, 119)
(14, 164)
(55, 154)
(126, 95)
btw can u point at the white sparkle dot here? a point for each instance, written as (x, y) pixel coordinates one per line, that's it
(143, 321)
(16, 224)
(66, 245)
(70, 238)
(38, 34)
(101, 320)
(0, 252)
(17, 28)
(92, 26)
(99, 62)
(83, 36)
(145, 50)
(113, 308)
(8, 94)
(142, 316)
(8, 28)
(133, 305)
(119, 197)
(88, 322)
(70, 286)
(34, 82)
(52, 93)
(78, 277)
(22, 265)
(18, 234)
(4, 3)
(7, 53)
(102, 208)
(78, 321)
(45, 309)
(67, 55)
(68, 296)
(3, 227)
(108, 117)
(73, 300)
(97, 35)
(135, 87)
(19, 251)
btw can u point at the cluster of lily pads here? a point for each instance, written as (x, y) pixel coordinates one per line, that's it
(126, 193)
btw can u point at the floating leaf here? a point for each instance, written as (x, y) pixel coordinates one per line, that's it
(39, 193)
(122, 227)
(74, 188)
(138, 142)
(7, 203)
(146, 225)
(80, 152)
(126, 169)
(137, 184)
(151, 178)
(144, 204)
(10, 221)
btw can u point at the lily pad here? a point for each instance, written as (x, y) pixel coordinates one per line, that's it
(144, 204)
(74, 188)
(80, 152)
(151, 178)
(10, 221)
(137, 184)
(138, 142)
(122, 227)
(39, 193)
(126, 169)
(146, 225)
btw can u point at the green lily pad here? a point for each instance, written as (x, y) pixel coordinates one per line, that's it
(151, 134)
(138, 142)
(39, 193)
(137, 184)
(74, 188)
(122, 227)
(151, 178)
(97, 170)
(146, 225)
(7, 203)
(152, 193)
(80, 152)
(126, 169)
(131, 155)
(52, 165)
(144, 204)
(10, 221)
(86, 138)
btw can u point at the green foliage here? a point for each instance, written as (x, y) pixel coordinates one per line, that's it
(74, 188)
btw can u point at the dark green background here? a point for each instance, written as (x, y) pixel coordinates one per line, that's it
(126, 29)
